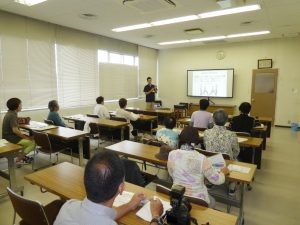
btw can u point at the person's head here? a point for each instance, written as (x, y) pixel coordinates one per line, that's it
(53, 106)
(204, 103)
(170, 122)
(104, 177)
(220, 117)
(245, 107)
(123, 103)
(14, 104)
(100, 100)
(149, 80)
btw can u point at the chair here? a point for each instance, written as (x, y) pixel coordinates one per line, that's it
(201, 128)
(33, 212)
(209, 153)
(158, 102)
(166, 188)
(180, 111)
(92, 115)
(45, 146)
(49, 122)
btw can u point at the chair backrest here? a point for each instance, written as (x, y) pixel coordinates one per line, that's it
(201, 128)
(92, 115)
(31, 212)
(42, 140)
(94, 128)
(118, 119)
(49, 122)
(209, 153)
(185, 104)
(243, 134)
(158, 102)
(166, 190)
(152, 142)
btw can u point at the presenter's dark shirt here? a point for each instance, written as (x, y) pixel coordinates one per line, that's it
(150, 97)
(242, 123)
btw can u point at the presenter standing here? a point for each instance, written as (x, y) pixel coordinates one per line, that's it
(150, 90)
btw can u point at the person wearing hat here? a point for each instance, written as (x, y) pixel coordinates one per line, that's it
(188, 168)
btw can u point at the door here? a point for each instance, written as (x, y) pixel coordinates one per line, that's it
(263, 95)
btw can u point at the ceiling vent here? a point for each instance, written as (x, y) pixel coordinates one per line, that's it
(146, 6)
(193, 31)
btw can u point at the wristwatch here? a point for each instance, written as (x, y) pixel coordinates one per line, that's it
(155, 220)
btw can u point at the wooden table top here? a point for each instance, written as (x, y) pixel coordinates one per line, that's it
(9, 148)
(147, 153)
(147, 117)
(66, 133)
(101, 122)
(66, 181)
(158, 111)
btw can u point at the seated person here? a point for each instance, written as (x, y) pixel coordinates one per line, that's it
(219, 139)
(53, 114)
(189, 168)
(103, 181)
(167, 135)
(12, 133)
(57, 120)
(189, 135)
(243, 122)
(202, 118)
(100, 109)
(129, 116)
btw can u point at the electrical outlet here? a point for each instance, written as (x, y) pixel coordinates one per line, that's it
(289, 122)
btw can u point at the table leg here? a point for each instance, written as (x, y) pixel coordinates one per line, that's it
(80, 147)
(151, 126)
(12, 176)
(241, 212)
(122, 133)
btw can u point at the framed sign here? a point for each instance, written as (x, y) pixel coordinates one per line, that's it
(264, 63)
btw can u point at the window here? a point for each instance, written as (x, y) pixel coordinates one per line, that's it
(115, 58)
(102, 56)
(128, 60)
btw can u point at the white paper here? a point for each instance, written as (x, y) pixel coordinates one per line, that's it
(240, 139)
(217, 161)
(123, 199)
(145, 212)
(3, 142)
(237, 168)
(34, 125)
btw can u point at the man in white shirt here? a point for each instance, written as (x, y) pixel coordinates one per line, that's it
(103, 180)
(100, 109)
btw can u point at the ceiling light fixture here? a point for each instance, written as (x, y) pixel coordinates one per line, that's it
(230, 11)
(208, 38)
(175, 20)
(189, 18)
(133, 27)
(29, 2)
(174, 42)
(216, 38)
(248, 34)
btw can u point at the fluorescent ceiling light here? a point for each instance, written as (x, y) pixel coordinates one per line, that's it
(30, 2)
(174, 42)
(230, 11)
(216, 38)
(248, 34)
(133, 27)
(208, 38)
(175, 20)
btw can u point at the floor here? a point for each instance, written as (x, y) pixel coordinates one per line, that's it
(274, 199)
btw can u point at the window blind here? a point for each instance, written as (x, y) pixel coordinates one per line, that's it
(77, 70)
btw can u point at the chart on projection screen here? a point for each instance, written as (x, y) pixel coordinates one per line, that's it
(211, 83)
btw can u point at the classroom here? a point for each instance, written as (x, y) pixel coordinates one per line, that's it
(76, 51)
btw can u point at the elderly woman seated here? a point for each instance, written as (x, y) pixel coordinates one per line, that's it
(167, 135)
(188, 168)
(219, 139)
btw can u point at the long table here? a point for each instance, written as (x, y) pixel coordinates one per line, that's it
(147, 153)
(113, 124)
(66, 181)
(65, 134)
(10, 151)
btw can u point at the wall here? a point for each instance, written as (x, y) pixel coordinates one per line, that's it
(174, 63)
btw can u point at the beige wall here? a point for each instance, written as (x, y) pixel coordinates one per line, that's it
(174, 63)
